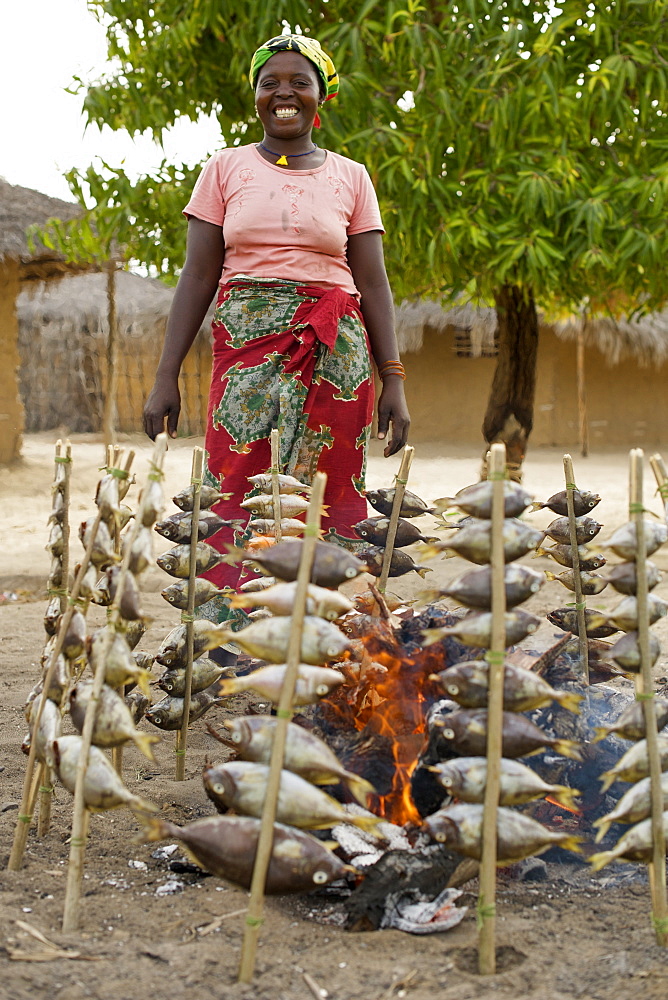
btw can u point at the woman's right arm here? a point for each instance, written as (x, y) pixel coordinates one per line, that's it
(194, 292)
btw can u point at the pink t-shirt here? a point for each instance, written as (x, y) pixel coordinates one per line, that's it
(279, 223)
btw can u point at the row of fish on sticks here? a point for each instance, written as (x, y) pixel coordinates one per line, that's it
(457, 726)
(110, 649)
(463, 686)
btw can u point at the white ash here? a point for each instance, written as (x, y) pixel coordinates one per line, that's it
(163, 853)
(169, 888)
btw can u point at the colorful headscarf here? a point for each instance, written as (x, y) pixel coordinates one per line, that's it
(307, 47)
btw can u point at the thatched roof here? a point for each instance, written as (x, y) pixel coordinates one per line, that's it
(80, 302)
(20, 208)
(644, 339)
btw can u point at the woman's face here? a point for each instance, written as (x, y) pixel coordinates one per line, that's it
(287, 95)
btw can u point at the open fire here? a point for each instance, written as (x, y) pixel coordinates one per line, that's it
(377, 722)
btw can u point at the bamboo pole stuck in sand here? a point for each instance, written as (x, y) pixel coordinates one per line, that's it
(495, 657)
(661, 476)
(80, 813)
(254, 915)
(645, 692)
(275, 488)
(580, 603)
(189, 616)
(63, 456)
(28, 798)
(399, 490)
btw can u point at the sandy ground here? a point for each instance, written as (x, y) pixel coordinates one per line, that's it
(577, 936)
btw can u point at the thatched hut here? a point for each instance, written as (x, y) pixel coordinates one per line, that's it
(20, 208)
(63, 335)
(450, 356)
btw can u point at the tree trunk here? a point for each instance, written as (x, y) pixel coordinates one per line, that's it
(509, 416)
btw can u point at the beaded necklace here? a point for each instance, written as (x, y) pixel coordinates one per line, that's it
(283, 158)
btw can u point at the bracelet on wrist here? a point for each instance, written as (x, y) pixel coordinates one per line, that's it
(391, 368)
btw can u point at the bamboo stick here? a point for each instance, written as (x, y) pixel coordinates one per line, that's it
(189, 617)
(580, 603)
(66, 461)
(46, 778)
(495, 658)
(645, 692)
(275, 488)
(28, 798)
(114, 454)
(661, 476)
(401, 481)
(284, 711)
(80, 813)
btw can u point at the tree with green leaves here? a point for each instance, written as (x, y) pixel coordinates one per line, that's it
(518, 148)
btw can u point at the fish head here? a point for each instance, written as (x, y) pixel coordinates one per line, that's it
(167, 562)
(439, 828)
(170, 594)
(218, 783)
(240, 733)
(158, 717)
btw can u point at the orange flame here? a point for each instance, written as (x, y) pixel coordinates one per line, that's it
(387, 697)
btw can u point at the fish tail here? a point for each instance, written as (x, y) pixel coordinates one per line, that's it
(229, 685)
(445, 503)
(426, 597)
(241, 601)
(571, 843)
(143, 680)
(143, 742)
(568, 748)
(536, 505)
(607, 779)
(367, 823)
(602, 859)
(540, 551)
(566, 796)
(360, 787)
(600, 733)
(142, 807)
(219, 638)
(154, 829)
(603, 824)
(422, 570)
(428, 551)
(549, 575)
(430, 539)
(432, 635)
(569, 700)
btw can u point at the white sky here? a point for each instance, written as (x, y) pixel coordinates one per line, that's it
(43, 45)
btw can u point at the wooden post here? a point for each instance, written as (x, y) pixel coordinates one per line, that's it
(580, 603)
(495, 658)
(645, 691)
(29, 793)
(399, 490)
(112, 373)
(80, 813)
(582, 396)
(189, 617)
(275, 488)
(284, 711)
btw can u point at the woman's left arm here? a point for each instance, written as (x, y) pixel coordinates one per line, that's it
(365, 259)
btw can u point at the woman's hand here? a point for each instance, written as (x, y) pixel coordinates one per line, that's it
(392, 409)
(164, 401)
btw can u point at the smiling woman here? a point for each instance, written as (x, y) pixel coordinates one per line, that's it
(291, 234)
